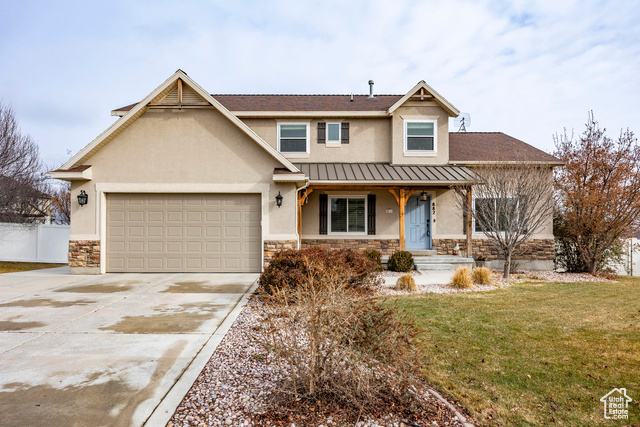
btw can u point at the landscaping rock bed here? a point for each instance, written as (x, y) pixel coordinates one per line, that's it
(498, 281)
(234, 387)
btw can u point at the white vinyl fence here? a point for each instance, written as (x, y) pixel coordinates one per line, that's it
(34, 243)
(630, 263)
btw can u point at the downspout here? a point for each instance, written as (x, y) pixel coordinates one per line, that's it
(299, 209)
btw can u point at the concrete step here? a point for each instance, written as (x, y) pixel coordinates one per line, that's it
(434, 266)
(441, 262)
(423, 252)
(439, 259)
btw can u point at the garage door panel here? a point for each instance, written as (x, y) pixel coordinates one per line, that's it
(155, 216)
(184, 232)
(174, 247)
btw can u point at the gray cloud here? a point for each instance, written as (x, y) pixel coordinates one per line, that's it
(526, 68)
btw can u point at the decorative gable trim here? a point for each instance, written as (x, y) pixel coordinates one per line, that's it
(160, 93)
(425, 92)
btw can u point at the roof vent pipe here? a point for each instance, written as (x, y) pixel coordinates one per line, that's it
(371, 89)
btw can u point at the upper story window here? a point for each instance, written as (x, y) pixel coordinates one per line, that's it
(293, 138)
(420, 136)
(333, 133)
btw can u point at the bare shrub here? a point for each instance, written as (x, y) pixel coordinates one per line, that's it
(462, 279)
(481, 276)
(336, 344)
(406, 282)
(290, 269)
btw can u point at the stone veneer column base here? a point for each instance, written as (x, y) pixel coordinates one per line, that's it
(532, 249)
(84, 256)
(272, 247)
(384, 246)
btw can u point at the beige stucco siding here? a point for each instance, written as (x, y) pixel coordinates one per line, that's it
(386, 223)
(369, 140)
(420, 113)
(447, 221)
(174, 151)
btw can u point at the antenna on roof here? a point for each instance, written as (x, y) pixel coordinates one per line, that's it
(462, 121)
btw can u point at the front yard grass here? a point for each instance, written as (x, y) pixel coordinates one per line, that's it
(12, 267)
(533, 353)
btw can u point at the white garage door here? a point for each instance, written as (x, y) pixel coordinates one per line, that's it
(183, 233)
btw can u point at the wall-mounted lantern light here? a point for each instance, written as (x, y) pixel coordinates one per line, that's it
(82, 198)
(424, 196)
(279, 199)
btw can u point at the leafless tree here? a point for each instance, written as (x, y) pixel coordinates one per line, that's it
(512, 201)
(61, 203)
(22, 173)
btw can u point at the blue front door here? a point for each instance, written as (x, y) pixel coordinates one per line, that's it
(417, 223)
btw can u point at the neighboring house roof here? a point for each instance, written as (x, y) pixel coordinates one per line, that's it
(482, 147)
(384, 173)
(159, 93)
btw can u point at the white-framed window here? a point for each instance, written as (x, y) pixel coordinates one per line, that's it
(499, 211)
(420, 136)
(348, 214)
(334, 134)
(293, 138)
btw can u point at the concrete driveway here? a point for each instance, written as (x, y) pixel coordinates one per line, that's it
(118, 349)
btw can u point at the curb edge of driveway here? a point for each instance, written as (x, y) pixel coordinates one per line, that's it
(169, 403)
(459, 416)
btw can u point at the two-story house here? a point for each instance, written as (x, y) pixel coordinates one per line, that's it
(186, 181)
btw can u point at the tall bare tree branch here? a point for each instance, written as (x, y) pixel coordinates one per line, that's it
(513, 200)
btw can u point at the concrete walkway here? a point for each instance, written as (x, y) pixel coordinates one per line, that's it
(118, 349)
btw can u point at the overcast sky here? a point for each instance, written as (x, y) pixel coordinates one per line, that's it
(526, 68)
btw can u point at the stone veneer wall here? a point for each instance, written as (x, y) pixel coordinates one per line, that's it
(272, 247)
(533, 249)
(384, 246)
(84, 253)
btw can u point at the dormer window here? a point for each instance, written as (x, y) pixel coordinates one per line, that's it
(420, 136)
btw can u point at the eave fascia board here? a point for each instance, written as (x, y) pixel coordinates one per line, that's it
(289, 177)
(321, 114)
(85, 175)
(449, 107)
(509, 162)
(389, 183)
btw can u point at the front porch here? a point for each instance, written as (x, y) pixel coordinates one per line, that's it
(363, 206)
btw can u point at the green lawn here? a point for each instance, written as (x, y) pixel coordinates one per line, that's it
(533, 353)
(12, 267)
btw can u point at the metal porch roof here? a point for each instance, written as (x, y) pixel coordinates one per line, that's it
(384, 173)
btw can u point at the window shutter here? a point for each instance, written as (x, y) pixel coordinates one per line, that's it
(345, 133)
(324, 201)
(371, 214)
(322, 132)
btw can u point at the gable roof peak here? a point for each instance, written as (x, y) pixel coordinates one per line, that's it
(157, 94)
(421, 87)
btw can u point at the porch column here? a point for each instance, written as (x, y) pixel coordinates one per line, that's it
(301, 199)
(402, 204)
(469, 222)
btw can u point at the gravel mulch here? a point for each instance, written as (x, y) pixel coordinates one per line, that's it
(497, 279)
(234, 387)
